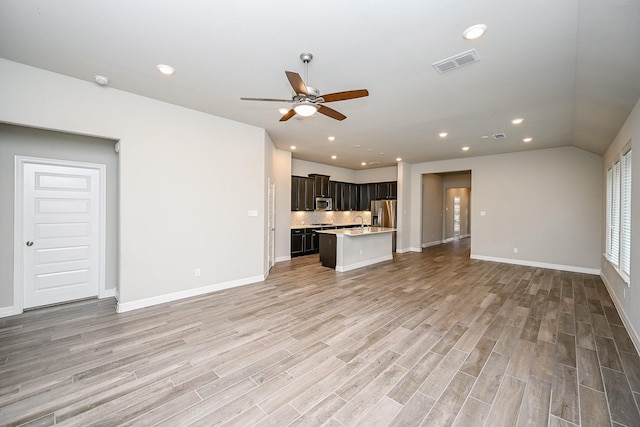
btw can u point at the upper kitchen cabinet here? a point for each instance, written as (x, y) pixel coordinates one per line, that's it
(302, 195)
(321, 185)
(337, 189)
(387, 190)
(366, 193)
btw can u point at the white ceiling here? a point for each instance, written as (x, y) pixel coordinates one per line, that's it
(570, 68)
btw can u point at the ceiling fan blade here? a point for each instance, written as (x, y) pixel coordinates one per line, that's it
(296, 83)
(331, 113)
(343, 96)
(286, 116)
(266, 99)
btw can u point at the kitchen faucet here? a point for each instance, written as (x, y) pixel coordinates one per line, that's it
(361, 220)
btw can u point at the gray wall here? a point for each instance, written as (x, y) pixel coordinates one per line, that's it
(23, 141)
(187, 181)
(547, 203)
(626, 296)
(432, 209)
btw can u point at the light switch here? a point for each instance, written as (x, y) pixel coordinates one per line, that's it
(253, 213)
(483, 213)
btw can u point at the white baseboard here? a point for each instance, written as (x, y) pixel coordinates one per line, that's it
(283, 258)
(412, 249)
(161, 299)
(9, 311)
(350, 267)
(633, 334)
(571, 268)
(434, 243)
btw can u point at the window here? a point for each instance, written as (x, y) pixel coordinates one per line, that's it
(625, 215)
(618, 215)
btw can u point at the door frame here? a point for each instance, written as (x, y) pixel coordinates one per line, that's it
(18, 223)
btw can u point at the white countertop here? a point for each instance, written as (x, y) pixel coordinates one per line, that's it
(358, 231)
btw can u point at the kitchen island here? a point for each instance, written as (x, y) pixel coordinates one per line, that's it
(350, 248)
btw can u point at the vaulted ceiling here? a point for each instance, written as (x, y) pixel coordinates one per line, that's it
(570, 68)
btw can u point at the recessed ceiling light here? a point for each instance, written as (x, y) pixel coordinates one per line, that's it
(528, 139)
(474, 31)
(443, 134)
(484, 136)
(517, 121)
(293, 147)
(363, 164)
(357, 145)
(166, 69)
(381, 153)
(369, 149)
(283, 110)
(101, 80)
(398, 159)
(465, 148)
(334, 157)
(331, 138)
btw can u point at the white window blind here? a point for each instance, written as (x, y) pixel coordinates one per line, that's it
(609, 209)
(615, 216)
(625, 214)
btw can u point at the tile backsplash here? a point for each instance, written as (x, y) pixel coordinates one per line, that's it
(331, 217)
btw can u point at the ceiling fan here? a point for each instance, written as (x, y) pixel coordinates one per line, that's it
(307, 100)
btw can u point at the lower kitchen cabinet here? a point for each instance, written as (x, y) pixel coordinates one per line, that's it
(297, 242)
(304, 241)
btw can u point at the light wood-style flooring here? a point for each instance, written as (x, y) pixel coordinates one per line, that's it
(432, 339)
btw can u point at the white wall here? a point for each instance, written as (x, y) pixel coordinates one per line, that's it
(627, 299)
(282, 165)
(183, 196)
(547, 203)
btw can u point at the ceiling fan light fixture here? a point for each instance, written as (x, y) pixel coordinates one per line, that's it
(305, 109)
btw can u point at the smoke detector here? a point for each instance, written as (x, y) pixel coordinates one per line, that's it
(101, 80)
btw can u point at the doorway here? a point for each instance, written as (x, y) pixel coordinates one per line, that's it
(446, 200)
(19, 141)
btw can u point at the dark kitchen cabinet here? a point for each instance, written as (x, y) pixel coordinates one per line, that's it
(302, 195)
(366, 193)
(328, 243)
(336, 189)
(297, 242)
(350, 197)
(321, 185)
(387, 190)
(304, 241)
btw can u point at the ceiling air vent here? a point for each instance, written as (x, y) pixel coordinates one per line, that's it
(457, 61)
(499, 136)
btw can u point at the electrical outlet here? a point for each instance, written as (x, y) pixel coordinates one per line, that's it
(361, 251)
(515, 250)
(197, 272)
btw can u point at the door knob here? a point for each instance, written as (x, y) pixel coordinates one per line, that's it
(29, 243)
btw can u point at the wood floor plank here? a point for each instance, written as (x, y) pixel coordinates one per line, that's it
(535, 403)
(430, 338)
(564, 394)
(447, 407)
(504, 411)
(594, 411)
(621, 402)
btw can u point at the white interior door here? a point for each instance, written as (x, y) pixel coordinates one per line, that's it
(272, 224)
(60, 233)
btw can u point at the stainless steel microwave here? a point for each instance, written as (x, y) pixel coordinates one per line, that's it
(324, 204)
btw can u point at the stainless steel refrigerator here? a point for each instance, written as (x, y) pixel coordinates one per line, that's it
(383, 214)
